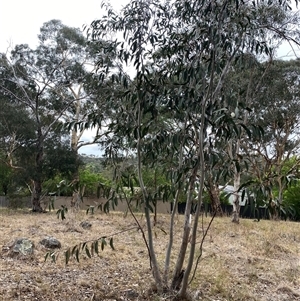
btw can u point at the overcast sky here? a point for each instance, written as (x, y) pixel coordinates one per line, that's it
(21, 20)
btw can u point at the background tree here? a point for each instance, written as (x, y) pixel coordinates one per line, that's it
(277, 112)
(49, 83)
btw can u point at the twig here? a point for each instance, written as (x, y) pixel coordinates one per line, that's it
(140, 228)
(202, 241)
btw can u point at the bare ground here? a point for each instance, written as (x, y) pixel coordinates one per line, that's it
(257, 261)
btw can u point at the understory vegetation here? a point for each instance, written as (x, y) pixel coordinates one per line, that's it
(266, 268)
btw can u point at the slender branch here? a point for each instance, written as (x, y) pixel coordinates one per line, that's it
(140, 228)
(202, 242)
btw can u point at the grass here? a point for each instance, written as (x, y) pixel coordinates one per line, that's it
(255, 261)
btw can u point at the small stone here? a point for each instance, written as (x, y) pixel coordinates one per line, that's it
(129, 293)
(50, 242)
(86, 225)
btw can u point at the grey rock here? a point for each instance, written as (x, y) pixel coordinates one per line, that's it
(50, 242)
(129, 293)
(86, 225)
(22, 246)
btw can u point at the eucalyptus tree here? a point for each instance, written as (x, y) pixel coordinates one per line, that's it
(242, 88)
(277, 111)
(240, 92)
(49, 83)
(16, 130)
(191, 46)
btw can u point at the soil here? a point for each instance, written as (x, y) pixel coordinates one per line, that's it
(257, 261)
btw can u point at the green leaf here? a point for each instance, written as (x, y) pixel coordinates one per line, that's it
(103, 243)
(67, 255)
(46, 256)
(111, 243)
(247, 130)
(77, 254)
(97, 247)
(53, 257)
(87, 251)
(74, 249)
(93, 248)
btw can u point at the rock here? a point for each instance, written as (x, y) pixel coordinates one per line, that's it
(21, 246)
(131, 294)
(50, 242)
(86, 225)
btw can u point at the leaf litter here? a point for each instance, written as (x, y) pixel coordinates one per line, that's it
(250, 261)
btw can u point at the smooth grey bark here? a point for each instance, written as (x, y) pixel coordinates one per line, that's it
(201, 134)
(155, 268)
(175, 203)
(177, 278)
(171, 237)
(236, 201)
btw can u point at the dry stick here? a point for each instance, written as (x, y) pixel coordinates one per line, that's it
(202, 241)
(140, 228)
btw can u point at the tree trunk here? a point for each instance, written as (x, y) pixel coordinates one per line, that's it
(37, 181)
(154, 264)
(236, 202)
(36, 196)
(236, 182)
(236, 210)
(175, 204)
(178, 274)
(77, 194)
(171, 237)
(214, 196)
(76, 198)
(155, 200)
(201, 160)
(273, 208)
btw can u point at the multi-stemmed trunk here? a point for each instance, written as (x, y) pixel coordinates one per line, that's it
(178, 274)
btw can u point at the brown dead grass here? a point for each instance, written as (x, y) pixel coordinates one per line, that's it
(257, 261)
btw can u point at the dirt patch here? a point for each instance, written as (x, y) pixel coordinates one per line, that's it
(251, 261)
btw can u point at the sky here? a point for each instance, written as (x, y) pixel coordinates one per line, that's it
(21, 20)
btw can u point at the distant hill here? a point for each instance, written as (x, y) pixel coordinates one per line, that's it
(95, 163)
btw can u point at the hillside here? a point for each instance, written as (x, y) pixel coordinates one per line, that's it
(257, 261)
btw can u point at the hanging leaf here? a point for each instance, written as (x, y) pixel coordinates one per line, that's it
(77, 254)
(67, 255)
(87, 251)
(97, 247)
(103, 243)
(111, 243)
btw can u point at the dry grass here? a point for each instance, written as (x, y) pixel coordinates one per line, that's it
(255, 261)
